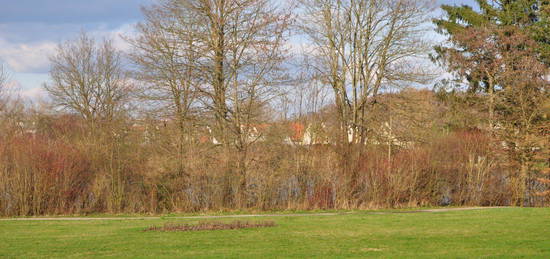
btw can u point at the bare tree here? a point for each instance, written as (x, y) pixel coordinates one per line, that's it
(231, 51)
(243, 42)
(165, 52)
(3, 81)
(246, 49)
(166, 55)
(11, 104)
(88, 78)
(308, 94)
(363, 46)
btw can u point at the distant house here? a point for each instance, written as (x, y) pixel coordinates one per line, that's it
(292, 133)
(295, 134)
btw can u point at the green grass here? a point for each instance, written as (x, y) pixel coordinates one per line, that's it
(497, 233)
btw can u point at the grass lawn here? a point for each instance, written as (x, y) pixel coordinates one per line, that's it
(497, 233)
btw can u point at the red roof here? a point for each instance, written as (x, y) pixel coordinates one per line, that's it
(297, 131)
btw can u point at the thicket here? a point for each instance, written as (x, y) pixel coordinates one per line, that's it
(64, 168)
(218, 113)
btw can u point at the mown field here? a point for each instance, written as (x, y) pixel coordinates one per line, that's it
(496, 233)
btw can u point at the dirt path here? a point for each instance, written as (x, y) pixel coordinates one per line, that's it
(245, 216)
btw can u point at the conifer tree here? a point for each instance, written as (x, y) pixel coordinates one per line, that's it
(502, 50)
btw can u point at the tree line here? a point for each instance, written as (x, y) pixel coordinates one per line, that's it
(211, 106)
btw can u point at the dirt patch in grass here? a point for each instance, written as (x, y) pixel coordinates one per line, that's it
(211, 225)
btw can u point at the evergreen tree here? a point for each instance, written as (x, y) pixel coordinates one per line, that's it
(531, 15)
(502, 49)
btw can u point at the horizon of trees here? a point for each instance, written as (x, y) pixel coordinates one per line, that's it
(114, 139)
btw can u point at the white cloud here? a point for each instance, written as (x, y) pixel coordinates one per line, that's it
(28, 57)
(116, 35)
(28, 61)
(33, 93)
(33, 56)
(15, 89)
(12, 86)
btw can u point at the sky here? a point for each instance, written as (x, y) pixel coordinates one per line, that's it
(31, 29)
